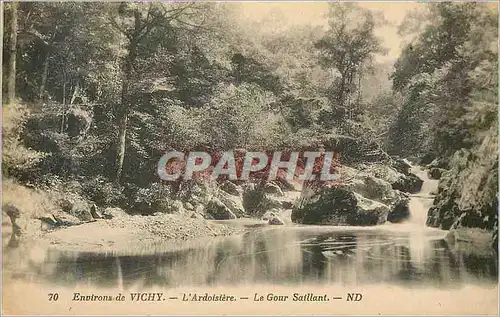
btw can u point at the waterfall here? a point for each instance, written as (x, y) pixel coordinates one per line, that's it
(422, 201)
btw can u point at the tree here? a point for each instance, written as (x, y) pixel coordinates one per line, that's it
(347, 50)
(11, 81)
(138, 23)
(438, 74)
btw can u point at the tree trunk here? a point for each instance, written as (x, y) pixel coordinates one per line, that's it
(11, 81)
(123, 116)
(63, 117)
(44, 76)
(128, 70)
(120, 150)
(76, 92)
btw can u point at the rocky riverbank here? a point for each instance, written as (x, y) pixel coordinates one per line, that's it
(467, 194)
(368, 195)
(371, 195)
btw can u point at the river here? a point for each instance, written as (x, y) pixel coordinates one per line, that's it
(407, 255)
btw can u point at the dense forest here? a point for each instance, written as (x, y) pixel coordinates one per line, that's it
(95, 93)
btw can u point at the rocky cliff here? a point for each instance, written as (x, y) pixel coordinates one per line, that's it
(467, 193)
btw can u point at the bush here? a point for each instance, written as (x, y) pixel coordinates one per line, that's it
(16, 158)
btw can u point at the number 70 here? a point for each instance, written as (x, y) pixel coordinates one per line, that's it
(53, 296)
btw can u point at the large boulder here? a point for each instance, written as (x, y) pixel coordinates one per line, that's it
(369, 212)
(354, 150)
(410, 183)
(438, 163)
(339, 206)
(76, 206)
(272, 217)
(374, 188)
(256, 201)
(275, 221)
(234, 203)
(216, 210)
(114, 213)
(467, 192)
(400, 165)
(435, 172)
(400, 210)
(197, 193)
(382, 171)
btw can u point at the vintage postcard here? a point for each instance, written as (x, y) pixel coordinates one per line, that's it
(249, 158)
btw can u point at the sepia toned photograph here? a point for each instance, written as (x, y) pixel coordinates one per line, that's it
(249, 158)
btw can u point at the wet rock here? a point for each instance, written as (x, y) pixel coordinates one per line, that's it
(51, 221)
(400, 165)
(410, 183)
(272, 217)
(382, 171)
(435, 173)
(438, 163)
(269, 214)
(287, 204)
(275, 221)
(339, 206)
(427, 158)
(400, 210)
(369, 212)
(215, 209)
(256, 202)
(374, 188)
(467, 192)
(48, 220)
(273, 189)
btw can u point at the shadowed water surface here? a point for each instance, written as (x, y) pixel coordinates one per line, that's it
(387, 254)
(407, 254)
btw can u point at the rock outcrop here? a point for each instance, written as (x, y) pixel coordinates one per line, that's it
(272, 217)
(257, 201)
(400, 210)
(409, 182)
(467, 192)
(435, 172)
(339, 206)
(373, 188)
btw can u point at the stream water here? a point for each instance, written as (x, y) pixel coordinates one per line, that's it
(391, 254)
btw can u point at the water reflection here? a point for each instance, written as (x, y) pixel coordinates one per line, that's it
(281, 256)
